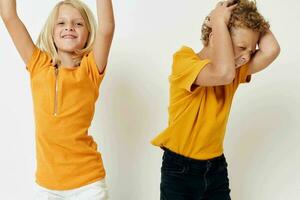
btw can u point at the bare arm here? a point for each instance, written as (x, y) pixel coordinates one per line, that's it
(105, 32)
(221, 70)
(268, 51)
(16, 29)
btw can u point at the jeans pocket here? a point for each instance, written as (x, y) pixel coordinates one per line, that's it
(172, 167)
(222, 168)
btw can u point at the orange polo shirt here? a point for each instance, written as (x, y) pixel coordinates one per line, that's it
(64, 104)
(197, 118)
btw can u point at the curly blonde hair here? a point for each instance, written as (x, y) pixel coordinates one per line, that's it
(245, 15)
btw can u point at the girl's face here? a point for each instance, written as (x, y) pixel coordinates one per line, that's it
(244, 42)
(70, 30)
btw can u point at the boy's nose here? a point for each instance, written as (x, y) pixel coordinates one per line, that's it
(245, 58)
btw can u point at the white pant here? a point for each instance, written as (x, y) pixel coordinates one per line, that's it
(94, 191)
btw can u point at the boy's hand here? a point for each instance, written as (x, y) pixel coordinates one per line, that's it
(221, 13)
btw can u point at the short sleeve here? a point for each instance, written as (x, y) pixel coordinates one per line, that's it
(89, 63)
(38, 60)
(186, 67)
(242, 75)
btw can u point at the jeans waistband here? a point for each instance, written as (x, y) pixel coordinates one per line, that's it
(181, 158)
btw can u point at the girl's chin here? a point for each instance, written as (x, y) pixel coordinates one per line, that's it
(67, 50)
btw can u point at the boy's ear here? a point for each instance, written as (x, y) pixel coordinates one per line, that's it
(210, 38)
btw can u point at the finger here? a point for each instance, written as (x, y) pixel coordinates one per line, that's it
(207, 21)
(231, 2)
(221, 3)
(208, 24)
(233, 7)
(226, 3)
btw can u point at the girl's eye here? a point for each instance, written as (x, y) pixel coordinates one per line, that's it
(60, 23)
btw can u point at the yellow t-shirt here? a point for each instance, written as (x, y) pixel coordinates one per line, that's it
(197, 116)
(64, 104)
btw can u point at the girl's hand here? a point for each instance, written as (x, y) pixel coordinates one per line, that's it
(221, 13)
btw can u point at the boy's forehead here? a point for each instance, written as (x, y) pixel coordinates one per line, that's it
(245, 35)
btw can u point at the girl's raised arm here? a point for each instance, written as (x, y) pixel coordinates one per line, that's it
(16, 29)
(105, 32)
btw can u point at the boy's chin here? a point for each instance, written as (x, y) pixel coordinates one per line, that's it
(237, 66)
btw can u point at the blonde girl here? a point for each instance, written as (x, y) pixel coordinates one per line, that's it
(66, 67)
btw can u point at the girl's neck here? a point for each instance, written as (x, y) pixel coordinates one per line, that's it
(66, 59)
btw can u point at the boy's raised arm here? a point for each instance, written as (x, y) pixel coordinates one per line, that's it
(221, 70)
(268, 51)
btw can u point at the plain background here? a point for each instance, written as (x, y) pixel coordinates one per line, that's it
(262, 142)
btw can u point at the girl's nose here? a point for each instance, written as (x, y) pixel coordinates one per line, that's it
(69, 28)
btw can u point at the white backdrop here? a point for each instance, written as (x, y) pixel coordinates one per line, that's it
(262, 143)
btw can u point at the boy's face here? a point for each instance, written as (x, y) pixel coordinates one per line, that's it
(244, 42)
(70, 30)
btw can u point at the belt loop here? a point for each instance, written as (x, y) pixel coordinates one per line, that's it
(209, 164)
(187, 164)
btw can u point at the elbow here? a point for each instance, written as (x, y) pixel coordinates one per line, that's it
(6, 16)
(107, 29)
(228, 75)
(228, 78)
(277, 50)
(274, 51)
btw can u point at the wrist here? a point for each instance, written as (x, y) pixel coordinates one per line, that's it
(218, 22)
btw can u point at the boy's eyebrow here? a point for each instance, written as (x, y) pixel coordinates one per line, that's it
(252, 49)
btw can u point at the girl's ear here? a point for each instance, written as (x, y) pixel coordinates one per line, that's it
(86, 43)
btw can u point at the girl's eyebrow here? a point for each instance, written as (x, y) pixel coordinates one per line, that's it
(73, 19)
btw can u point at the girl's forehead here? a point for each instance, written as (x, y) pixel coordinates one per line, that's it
(67, 11)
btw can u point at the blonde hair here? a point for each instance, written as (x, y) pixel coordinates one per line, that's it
(245, 15)
(45, 40)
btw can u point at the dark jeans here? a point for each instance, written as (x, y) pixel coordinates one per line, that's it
(184, 178)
